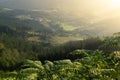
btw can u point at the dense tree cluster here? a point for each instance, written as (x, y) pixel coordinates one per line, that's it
(91, 67)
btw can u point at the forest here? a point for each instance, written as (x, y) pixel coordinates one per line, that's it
(53, 44)
(89, 59)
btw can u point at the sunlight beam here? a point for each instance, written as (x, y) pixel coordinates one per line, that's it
(114, 3)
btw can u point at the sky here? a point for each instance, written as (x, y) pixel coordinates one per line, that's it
(73, 4)
(95, 7)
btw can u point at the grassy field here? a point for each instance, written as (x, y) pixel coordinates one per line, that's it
(62, 40)
(68, 27)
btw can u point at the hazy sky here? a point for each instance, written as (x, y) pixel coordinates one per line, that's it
(78, 4)
(87, 6)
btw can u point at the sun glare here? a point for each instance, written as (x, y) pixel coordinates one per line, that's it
(114, 3)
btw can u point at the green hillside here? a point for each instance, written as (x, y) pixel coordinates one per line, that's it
(45, 23)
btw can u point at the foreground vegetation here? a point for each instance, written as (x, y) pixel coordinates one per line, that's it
(94, 66)
(102, 63)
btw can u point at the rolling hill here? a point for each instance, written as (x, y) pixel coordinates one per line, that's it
(51, 25)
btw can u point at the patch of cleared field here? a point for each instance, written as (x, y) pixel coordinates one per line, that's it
(61, 40)
(68, 27)
(34, 39)
(33, 33)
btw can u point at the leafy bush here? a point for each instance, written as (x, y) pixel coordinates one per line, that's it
(77, 54)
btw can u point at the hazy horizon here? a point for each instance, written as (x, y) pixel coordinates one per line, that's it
(95, 7)
(66, 4)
